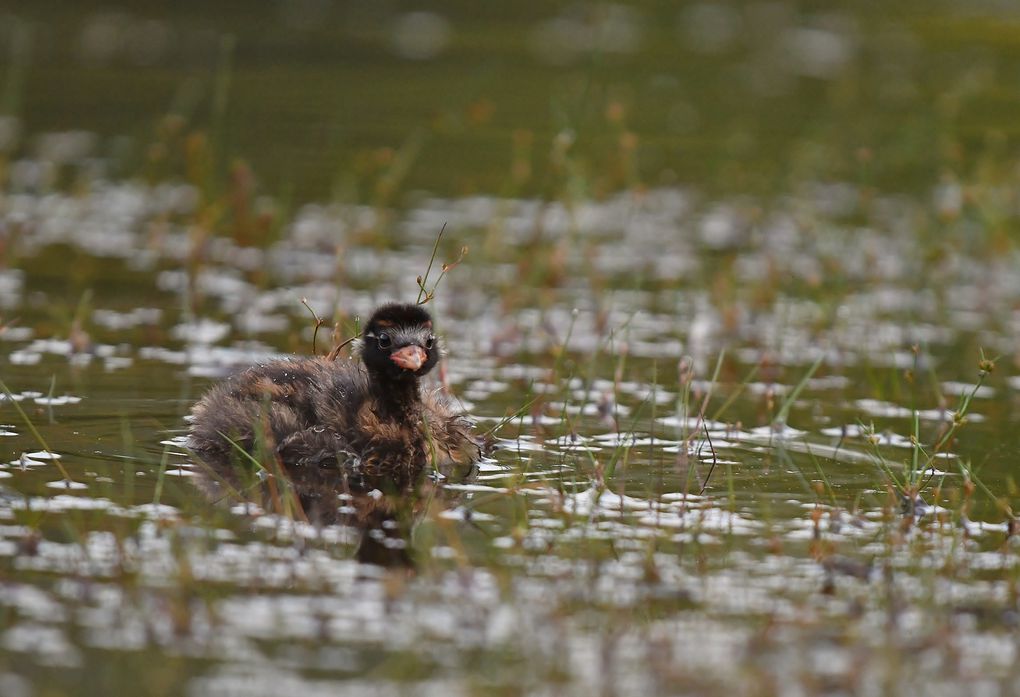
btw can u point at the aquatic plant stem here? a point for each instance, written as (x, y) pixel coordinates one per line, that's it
(271, 480)
(161, 476)
(737, 392)
(318, 323)
(423, 280)
(31, 427)
(424, 294)
(784, 408)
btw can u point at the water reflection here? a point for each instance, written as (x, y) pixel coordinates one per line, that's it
(383, 510)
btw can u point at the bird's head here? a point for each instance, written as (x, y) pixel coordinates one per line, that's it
(398, 342)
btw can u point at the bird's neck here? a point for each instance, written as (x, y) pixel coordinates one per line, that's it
(398, 400)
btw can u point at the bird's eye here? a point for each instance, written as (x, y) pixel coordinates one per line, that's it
(431, 341)
(384, 340)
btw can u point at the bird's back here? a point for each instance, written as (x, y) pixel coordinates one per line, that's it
(310, 414)
(268, 403)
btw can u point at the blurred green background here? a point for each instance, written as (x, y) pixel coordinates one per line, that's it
(467, 97)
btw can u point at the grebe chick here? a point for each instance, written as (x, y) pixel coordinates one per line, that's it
(337, 426)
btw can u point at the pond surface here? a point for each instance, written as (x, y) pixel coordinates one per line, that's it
(740, 304)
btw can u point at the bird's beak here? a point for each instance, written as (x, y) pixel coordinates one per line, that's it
(409, 357)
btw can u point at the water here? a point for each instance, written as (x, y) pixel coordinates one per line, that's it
(708, 380)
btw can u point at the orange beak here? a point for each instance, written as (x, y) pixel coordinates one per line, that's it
(410, 357)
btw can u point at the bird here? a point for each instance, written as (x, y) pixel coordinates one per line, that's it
(337, 430)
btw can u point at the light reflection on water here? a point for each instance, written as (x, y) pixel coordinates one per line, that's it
(318, 617)
(618, 542)
(586, 550)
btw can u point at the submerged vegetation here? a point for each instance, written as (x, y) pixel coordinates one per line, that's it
(752, 382)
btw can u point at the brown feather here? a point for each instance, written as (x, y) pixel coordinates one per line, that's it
(335, 427)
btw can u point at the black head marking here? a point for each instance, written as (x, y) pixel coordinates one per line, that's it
(389, 331)
(399, 315)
